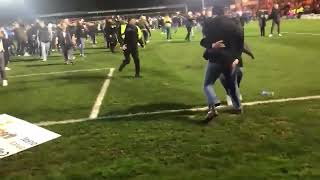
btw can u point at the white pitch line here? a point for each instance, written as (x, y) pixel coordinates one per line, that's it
(50, 123)
(97, 105)
(58, 72)
(312, 34)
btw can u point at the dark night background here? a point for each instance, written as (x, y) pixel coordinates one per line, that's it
(52, 6)
(11, 9)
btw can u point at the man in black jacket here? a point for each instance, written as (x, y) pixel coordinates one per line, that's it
(130, 47)
(110, 34)
(224, 45)
(189, 25)
(45, 39)
(276, 17)
(65, 43)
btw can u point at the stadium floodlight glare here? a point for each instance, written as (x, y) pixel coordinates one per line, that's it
(203, 4)
(11, 2)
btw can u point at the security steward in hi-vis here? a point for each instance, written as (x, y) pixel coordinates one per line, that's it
(130, 47)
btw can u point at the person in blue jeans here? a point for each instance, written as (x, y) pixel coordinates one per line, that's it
(224, 42)
(81, 34)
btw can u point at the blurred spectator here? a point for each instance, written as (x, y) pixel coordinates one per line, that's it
(22, 39)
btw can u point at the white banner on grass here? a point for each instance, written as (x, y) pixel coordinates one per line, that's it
(17, 135)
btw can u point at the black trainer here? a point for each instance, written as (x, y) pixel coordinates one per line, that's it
(212, 113)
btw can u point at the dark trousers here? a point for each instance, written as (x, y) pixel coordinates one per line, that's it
(135, 55)
(2, 67)
(111, 43)
(145, 35)
(238, 73)
(21, 46)
(6, 58)
(262, 30)
(213, 72)
(189, 29)
(32, 47)
(278, 26)
(93, 38)
(66, 52)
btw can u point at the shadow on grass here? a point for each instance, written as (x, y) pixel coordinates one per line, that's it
(97, 47)
(41, 65)
(192, 118)
(157, 107)
(24, 60)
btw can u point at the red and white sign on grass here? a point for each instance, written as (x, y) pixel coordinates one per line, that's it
(17, 135)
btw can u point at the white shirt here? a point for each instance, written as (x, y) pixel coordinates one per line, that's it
(1, 46)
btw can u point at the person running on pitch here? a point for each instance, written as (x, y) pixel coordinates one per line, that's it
(110, 32)
(130, 47)
(224, 45)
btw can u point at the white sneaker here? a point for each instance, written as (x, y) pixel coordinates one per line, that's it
(280, 35)
(229, 101)
(26, 54)
(5, 83)
(270, 35)
(44, 60)
(7, 69)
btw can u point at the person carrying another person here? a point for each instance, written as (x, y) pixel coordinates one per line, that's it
(224, 45)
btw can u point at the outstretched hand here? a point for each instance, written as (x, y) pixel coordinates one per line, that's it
(218, 44)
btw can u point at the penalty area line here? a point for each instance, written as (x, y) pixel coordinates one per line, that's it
(58, 72)
(51, 123)
(97, 105)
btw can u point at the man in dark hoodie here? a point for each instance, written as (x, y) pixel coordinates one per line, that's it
(276, 17)
(224, 45)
